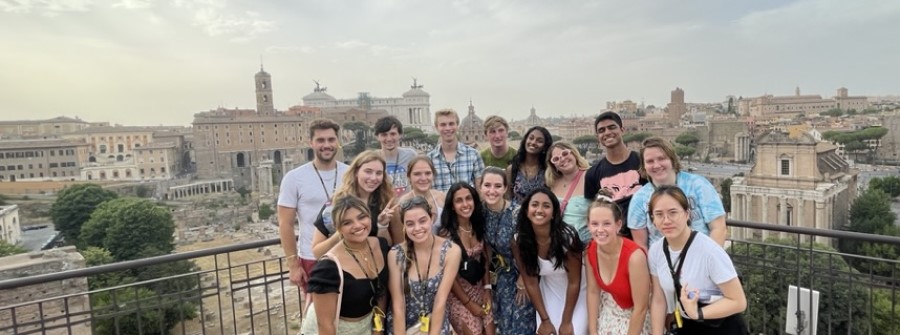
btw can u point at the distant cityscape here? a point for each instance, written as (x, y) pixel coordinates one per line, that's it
(250, 149)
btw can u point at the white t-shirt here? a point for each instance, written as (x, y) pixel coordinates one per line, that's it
(396, 170)
(705, 266)
(302, 190)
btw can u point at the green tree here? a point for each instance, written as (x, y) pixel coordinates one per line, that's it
(265, 211)
(688, 139)
(871, 213)
(130, 228)
(725, 186)
(889, 185)
(73, 207)
(684, 151)
(834, 112)
(556, 138)
(585, 143)
(635, 137)
(768, 269)
(362, 136)
(9, 249)
(514, 135)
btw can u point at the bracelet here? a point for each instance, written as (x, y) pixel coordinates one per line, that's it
(291, 256)
(488, 287)
(383, 226)
(467, 301)
(545, 319)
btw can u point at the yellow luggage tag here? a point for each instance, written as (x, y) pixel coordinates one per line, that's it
(378, 319)
(678, 322)
(424, 321)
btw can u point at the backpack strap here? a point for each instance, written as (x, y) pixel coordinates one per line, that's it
(337, 314)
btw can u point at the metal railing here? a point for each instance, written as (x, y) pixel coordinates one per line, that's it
(243, 289)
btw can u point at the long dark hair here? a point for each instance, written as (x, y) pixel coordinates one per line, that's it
(563, 238)
(450, 221)
(521, 154)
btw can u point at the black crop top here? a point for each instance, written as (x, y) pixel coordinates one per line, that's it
(355, 302)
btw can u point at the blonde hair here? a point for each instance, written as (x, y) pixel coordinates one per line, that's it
(551, 174)
(445, 112)
(495, 121)
(350, 184)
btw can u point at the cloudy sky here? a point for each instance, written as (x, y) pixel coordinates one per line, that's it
(148, 62)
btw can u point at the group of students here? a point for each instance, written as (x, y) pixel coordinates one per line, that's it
(537, 242)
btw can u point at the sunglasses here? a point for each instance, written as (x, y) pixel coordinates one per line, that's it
(563, 154)
(414, 201)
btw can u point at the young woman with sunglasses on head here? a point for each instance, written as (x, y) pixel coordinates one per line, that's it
(513, 312)
(565, 177)
(618, 296)
(352, 277)
(470, 301)
(693, 278)
(364, 180)
(527, 168)
(420, 172)
(422, 273)
(549, 253)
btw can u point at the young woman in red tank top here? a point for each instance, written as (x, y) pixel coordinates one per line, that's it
(618, 295)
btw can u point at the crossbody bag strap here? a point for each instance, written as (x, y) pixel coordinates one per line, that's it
(676, 271)
(337, 313)
(571, 190)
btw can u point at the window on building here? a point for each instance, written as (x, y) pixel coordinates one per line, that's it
(162, 169)
(121, 147)
(102, 149)
(789, 215)
(785, 167)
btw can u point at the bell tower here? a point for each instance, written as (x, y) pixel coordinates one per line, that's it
(264, 104)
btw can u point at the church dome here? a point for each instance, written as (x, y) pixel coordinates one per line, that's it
(416, 93)
(318, 96)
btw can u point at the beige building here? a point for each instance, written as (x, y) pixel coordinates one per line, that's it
(889, 151)
(797, 104)
(113, 144)
(676, 107)
(36, 160)
(10, 229)
(796, 181)
(471, 128)
(158, 160)
(41, 128)
(412, 108)
(626, 106)
(724, 136)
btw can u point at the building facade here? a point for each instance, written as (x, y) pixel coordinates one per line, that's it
(10, 228)
(471, 128)
(807, 105)
(796, 181)
(36, 160)
(42, 128)
(413, 108)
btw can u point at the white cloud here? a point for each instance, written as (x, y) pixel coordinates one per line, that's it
(239, 28)
(44, 7)
(133, 4)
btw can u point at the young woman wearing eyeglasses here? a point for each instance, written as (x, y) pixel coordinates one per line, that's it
(470, 301)
(618, 296)
(548, 253)
(363, 261)
(422, 271)
(364, 180)
(513, 312)
(526, 171)
(420, 172)
(565, 177)
(693, 278)
(661, 166)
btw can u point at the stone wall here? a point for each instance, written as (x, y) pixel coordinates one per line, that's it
(34, 306)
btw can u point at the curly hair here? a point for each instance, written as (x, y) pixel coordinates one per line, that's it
(552, 173)
(563, 238)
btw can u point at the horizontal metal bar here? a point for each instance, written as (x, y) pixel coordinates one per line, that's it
(841, 234)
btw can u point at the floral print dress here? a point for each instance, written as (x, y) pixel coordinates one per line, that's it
(509, 317)
(416, 301)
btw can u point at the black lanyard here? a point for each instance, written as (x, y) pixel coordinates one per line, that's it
(674, 270)
(327, 196)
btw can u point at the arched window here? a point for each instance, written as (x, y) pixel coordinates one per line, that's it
(240, 159)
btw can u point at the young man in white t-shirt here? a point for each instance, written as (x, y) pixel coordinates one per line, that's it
(389, 131)
(304, 193)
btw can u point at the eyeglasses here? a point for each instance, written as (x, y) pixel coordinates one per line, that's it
(414, 201)
(601, 130)
(563, 154)
(672, 214)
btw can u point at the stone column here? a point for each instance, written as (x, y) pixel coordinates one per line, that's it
(765, 214)
(782, 214)
(820, 218)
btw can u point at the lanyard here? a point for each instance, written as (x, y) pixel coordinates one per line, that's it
(327, 196)
(422, 284)
(675, 270)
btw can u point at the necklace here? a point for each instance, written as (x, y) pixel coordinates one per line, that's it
(365, 271)
(423, 286)
(467, 231)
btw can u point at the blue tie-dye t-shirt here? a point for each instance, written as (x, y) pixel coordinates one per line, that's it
(706, 205)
